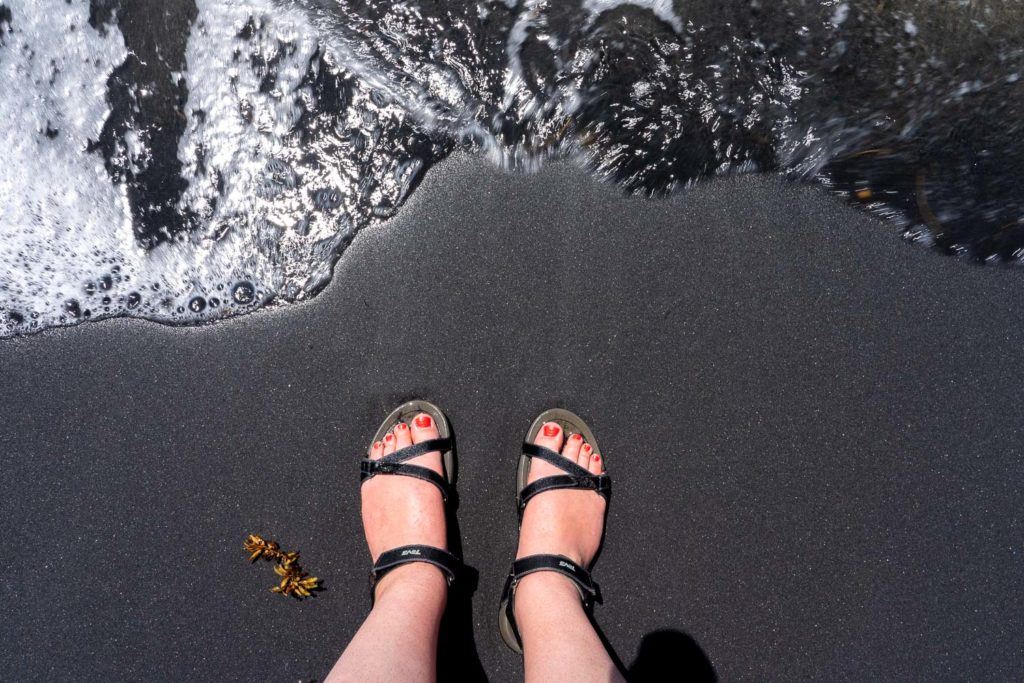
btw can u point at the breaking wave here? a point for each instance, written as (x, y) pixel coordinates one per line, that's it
(226, 165)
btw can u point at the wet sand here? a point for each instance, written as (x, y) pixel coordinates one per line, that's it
(814, 431)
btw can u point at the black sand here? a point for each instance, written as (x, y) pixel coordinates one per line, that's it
(815, 432)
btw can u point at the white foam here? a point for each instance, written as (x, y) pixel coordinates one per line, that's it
(66, 228)
(662, 9)
(61, 219)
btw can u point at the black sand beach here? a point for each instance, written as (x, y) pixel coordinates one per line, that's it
(814, 431)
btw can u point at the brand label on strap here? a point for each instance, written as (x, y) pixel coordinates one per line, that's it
(411, 551)
(570, 567)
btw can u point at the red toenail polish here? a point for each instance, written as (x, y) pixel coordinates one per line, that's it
(597, 457)
(577, 437)
(401, 425)
(587, 448)
(423, 421)
(388, 438)
(378, 444)
(551, 430)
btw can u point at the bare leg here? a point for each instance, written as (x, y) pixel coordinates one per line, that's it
(559, 642)
(398, 640)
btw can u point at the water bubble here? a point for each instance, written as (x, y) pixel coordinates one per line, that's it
(281, 173)
(244, 293)
(90, 288)
(106, 282)
(72, 307)
(327, 199)
(197, 304)
(134, 299)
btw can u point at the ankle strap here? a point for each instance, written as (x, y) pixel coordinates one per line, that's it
(449, 565)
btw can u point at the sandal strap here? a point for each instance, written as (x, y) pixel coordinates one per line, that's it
(556, 459)
(589, 591)
(395, 463)
(575, 477)
(449, 565)
(599, 483)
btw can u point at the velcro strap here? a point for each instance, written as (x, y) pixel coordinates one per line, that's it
(599, 483)
(449, 565)
(371, 468)
(418, 449)
(557, 459)
(589, 591)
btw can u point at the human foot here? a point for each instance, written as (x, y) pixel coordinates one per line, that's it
(549, 590)
(401, 510)
(566, 522)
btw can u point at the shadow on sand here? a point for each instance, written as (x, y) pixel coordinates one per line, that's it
(671, 655)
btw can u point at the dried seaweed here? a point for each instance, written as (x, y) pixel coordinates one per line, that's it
(293, 581)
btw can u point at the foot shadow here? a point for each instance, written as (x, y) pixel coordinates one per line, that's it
(457, 658)
(672, 651)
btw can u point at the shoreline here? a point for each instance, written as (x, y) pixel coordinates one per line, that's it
(815, 427)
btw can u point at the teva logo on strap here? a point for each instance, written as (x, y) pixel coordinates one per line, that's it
(570, 567)
(412, 551)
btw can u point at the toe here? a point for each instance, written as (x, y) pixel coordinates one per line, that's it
(402, 436)
(571, 450)
(596, 464)
(376, 450)
(586, 450)
(550, 436)
(389, 443)
(423, 428)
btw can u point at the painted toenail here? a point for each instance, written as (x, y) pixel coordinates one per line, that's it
(388, 438)
(423, 421)
(378, 444)
(401, 426)
(577, 437)
(587, 448)
(550, 430)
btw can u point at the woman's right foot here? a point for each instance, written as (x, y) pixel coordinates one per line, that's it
(568, 522)
(559, 641)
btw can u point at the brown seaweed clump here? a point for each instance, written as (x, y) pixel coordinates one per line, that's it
(294, 581)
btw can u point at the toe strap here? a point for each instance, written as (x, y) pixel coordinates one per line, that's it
(395, 463)
(554, 458)
(575, 477)
(449, 565)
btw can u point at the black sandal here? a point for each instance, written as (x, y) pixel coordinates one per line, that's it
(575, 477)
(396, 463)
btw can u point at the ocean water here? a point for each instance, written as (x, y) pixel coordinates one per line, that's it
(189, 160)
